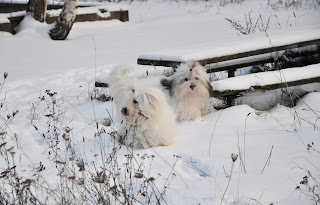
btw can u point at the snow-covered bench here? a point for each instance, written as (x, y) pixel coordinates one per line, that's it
(224, 58)
(159, 61)
(289, 50)
(239, 57)
(85, 12)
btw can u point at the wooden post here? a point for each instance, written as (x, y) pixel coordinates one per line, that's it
(230, 73)
(230, 100)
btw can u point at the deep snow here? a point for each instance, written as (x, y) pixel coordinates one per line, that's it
(36, 63)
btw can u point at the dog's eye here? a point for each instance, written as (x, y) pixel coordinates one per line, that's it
(135, 102)
(186, 79)
(196, 78)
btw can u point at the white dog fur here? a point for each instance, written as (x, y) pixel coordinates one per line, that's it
(147, 119)
(189, 89)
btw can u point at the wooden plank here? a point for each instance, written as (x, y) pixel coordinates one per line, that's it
(234, 66)
(14, 22)
(6, 27)
(259, 51)
(266, 87)
(16, 6)
(101, 85)
(120, 15)
(173, 64)
(263, 58)
(212, 60)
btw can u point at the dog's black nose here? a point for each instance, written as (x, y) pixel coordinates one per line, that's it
(124, 111)
(192, 86)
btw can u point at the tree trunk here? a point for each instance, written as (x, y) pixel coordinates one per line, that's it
(65, 21)
(37, 9)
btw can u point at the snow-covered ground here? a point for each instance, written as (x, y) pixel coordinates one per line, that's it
(276, 148)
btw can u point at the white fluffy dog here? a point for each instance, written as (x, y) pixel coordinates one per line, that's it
(189, 89)
(147, 119)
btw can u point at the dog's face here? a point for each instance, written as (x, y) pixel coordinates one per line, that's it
(141, 107)
(190, 80)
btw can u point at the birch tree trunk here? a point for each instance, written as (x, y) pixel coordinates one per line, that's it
(65, 20)
(37, 9)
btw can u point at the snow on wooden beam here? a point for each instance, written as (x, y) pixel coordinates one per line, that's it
(264, 81)
(12, 6)
(101, 84)
(137, 72)
(266, 87)
(238, 60)
(277, 56)
(259, 51)
(98, 13)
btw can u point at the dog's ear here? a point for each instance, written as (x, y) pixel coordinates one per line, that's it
(165, 82)
(168, 84)
(153, 102)
(195, 65)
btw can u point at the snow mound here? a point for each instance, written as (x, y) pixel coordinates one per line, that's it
(29, 28)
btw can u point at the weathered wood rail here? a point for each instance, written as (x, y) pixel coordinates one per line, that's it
(101, 84)
(13, 7)
(235, 61)
(286, 57)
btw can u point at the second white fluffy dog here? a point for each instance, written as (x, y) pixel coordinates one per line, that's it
(147, 119)
(189, 89)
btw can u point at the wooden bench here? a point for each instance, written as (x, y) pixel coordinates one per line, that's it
(233, 87)
(235, 61)
(93, 13)
(284, 54)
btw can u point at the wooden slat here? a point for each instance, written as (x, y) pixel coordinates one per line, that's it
(212, 60)
(259, 51)
(101, 85)
(234, 64)
(266, 87)
(173, 64)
